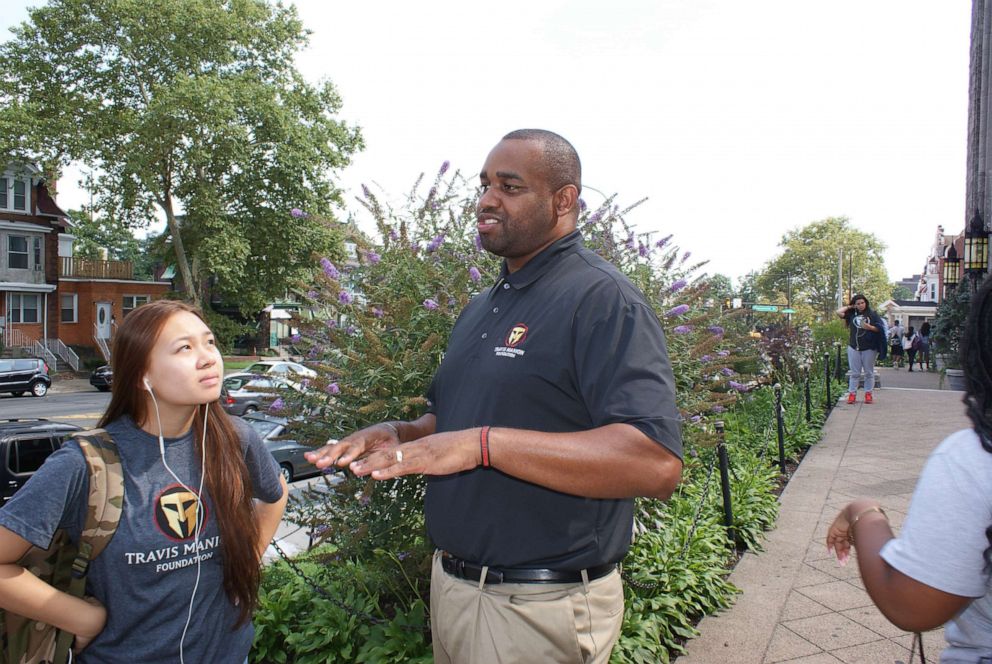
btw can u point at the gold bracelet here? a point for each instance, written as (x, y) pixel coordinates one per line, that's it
(850, 528)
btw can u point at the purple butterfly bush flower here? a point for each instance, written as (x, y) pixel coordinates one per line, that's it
(329, 269)
(630, 242)
(582, 205)
(351, 330)
(660, 244)
(695, 418)
(445, 165)
(718, 409)
(277, 405)
(642, 249)
(716, 329)
(740, 387)
(727, 371)
(435, 243)
(312, 295)
(723, 353)
(365, 500)
(677, 286)
(677, 311)
(298, 213)
(331, 323)
(682, 329)
(595, 217)
(686, 255)
(377, 312)
(430, 304)
(295, 339)
(393, 235)
(474, 274)
(333, 388)
(344, 297)
(365, 192)
(706, 358)
(373, 257)
(478, 242)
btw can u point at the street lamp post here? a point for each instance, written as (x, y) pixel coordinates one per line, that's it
(976, 250)
(951, 266)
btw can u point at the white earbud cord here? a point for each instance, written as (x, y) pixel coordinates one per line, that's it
(200, 511)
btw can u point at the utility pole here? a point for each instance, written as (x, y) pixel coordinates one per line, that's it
(840, 278)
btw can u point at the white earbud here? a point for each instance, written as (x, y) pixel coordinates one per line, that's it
(148, 386)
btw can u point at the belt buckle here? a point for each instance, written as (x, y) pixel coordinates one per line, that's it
(494, 576)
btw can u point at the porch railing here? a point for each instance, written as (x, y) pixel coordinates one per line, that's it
(68, 355)
(73, 266)
(101, 343)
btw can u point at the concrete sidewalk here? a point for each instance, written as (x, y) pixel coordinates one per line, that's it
(797, 605)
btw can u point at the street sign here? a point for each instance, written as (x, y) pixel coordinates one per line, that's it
(788, 311)
(764, 307)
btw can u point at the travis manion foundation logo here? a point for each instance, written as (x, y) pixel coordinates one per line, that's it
(514, 338)
(176, 511)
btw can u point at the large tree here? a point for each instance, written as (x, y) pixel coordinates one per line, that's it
(192, 110)
(807, 266)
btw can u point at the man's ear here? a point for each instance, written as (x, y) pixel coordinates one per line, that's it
(566, 201)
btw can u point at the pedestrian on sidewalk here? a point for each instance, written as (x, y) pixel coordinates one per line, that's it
(865, 339)
(895, 344)
(939, 568)
(924, 351)
(911, 344)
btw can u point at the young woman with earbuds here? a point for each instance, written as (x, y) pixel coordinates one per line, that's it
(203, 497)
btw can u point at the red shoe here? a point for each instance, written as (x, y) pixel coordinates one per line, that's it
(868, 397)
(852, 397)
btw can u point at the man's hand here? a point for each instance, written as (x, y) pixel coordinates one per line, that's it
(357, 445)
(438, 454)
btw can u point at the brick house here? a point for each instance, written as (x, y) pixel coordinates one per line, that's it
(50, 299)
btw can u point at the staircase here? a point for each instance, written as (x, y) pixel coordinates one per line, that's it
(102, 344)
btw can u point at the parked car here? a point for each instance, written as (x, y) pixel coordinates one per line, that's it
(28, 374)
(244, 393)
(287, 452)
(102, 378)
(282, 367)
(24, 445)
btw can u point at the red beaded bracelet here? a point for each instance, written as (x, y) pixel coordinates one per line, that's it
(484, 444)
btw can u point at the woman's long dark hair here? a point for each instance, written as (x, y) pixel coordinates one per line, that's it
(976, 360)
(227, 478)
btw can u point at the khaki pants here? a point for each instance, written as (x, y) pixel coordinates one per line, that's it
(514, 623)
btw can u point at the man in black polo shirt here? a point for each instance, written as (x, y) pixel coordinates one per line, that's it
(553, 408)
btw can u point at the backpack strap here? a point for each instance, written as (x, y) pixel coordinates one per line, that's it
(104, 504)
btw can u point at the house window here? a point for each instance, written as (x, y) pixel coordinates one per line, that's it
(17, 252)
(37, 254)
(23, 308)
(13, 194)
(20, 200)
(69, 308)
(132, 302)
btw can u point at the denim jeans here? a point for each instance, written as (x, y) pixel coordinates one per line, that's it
(858, 360)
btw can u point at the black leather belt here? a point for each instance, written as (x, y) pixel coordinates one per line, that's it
(463, 569)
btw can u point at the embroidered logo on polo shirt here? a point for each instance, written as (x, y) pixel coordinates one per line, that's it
(514, 338)
(516, 335)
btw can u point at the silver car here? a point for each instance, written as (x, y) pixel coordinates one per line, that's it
(287, 452)
(244, 393)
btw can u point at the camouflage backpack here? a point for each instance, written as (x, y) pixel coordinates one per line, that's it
(64, 564)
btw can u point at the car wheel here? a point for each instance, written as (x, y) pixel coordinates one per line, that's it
(39, 389)
(251, 409)
(287, 472)
(104, 388)
(17, 394)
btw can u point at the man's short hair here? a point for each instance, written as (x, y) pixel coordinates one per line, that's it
(561, 161)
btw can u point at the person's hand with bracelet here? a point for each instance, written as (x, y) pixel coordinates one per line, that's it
(843, 532)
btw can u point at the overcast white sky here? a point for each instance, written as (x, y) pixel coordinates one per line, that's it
(739, 120)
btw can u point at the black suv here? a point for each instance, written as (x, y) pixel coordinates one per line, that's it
(24, 446)
(21, 375)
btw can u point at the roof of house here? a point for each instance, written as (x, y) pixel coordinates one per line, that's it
(47, 206)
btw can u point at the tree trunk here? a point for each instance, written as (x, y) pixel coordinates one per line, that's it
(192, 288)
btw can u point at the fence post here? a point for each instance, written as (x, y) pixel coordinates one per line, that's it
(809, 405)
(728, 512)
(780, 424)
(838, 371)
(826, 379)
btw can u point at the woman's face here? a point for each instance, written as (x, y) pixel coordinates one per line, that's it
(860, 305)
(185, 367)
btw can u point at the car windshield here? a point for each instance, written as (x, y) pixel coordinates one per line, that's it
(259, 367)
(262, 427)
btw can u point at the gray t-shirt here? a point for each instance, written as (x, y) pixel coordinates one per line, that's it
(146, 574)
(943, 540)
